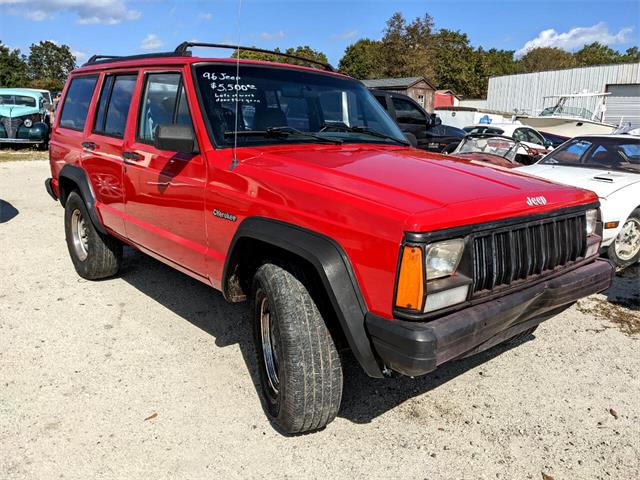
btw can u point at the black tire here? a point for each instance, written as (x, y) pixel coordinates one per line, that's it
(103, 254)
(522, 335)
(309, 371)
(611, 251)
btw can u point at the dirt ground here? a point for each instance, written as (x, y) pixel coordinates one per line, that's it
(152, 375)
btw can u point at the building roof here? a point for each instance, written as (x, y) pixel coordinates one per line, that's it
(404, 82)
(447, 92)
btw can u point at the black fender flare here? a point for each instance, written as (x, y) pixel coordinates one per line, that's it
(78, 176)
(334, 269)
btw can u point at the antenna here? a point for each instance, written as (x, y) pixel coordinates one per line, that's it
(234, 162)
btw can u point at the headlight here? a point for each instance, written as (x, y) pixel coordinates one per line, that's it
(28, 123)
(443, 258)
(592, 218)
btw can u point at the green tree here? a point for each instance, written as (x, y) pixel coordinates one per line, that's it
(406, 48)
(457, 66)
(304, 51)
(363, 60)
(546, 58)
(49, 65)
(13, 67)
(596, 54)
(631, 55)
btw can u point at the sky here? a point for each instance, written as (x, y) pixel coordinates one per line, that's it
(126, 27)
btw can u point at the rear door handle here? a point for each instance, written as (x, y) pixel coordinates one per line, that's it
(88, 145)
(131, 157)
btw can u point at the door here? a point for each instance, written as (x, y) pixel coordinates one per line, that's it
(65, 145)
(623, 105)
(411, 118)
(164, 190)
(104, 145)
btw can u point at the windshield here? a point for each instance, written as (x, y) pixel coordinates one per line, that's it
(307, 104)
(602, 153)
(503, 147)
(567, 111)
(22, 100)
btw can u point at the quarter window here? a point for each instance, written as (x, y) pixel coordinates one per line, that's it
(77, 101)
(164, 103)
(113, 106)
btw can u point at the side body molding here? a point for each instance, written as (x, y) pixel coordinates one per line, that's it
(334, 270)
(78, 176)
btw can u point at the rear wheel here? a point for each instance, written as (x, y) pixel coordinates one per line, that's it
(94, 255)
(625, 249)
(300, 368)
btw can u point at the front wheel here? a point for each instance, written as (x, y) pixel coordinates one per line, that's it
(94, 255)
(300, 368)
(625, 249)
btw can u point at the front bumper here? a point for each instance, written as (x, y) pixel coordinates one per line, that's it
(21, 141)
(416, 348)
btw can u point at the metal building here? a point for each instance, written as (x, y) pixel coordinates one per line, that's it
(525, 92)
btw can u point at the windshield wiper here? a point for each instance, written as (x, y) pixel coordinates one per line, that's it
(365, 130)
(283, 132)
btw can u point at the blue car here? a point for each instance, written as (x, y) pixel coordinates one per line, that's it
(24, 117)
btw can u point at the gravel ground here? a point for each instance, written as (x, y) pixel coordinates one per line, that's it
(151, 375)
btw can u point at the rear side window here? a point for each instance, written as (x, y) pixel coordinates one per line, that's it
(164, 103)
(113, 106)
(77, 101)
(407, 112)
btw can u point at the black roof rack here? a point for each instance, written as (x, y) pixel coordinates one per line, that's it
(182, 50)
(100, 59)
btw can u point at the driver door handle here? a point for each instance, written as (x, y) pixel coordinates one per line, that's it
(131, 157)
(88, 145)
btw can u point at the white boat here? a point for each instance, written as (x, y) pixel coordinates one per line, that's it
(571, 116)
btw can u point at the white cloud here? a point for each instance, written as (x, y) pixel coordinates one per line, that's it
(151, 42)
(272, 36)
(577, 37)
(343, 36)
(80, 55)
(205, 17)
(109, 12)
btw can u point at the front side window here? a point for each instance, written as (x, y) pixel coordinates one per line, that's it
(534, 137)
(77, 101)
(408, 112)
(113, 106)
(164, 103)
(259, 105)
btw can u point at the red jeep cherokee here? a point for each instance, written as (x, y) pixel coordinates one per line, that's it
(291, 186)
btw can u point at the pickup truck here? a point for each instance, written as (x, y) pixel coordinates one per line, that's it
(338, 233)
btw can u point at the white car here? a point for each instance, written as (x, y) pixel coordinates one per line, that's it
(520, 133)
(609, 165)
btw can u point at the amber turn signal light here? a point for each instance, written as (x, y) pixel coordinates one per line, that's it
(410, 291)
(611, 224)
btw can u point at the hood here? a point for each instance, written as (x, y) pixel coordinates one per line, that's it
(17, 110)
(433, 191)
(602, 182)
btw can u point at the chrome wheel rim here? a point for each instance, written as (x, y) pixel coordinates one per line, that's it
(628, 240)
(269, 354)
(79, 235)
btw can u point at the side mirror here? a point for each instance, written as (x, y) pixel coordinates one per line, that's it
(435, 120)
(175, 138)
(548, 143)
(411, 138)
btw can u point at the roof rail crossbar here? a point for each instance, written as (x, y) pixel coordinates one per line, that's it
(100, 59)
(96, 58)
(182, 50)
